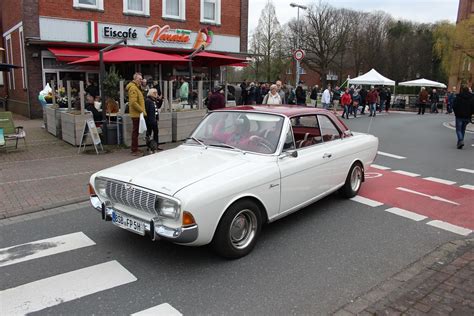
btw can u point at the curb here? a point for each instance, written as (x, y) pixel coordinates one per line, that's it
(48, 207)
(407, 279)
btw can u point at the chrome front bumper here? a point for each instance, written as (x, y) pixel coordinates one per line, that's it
(155, 229)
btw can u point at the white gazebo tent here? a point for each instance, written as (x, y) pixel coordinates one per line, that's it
(422, 83)
(372, 78)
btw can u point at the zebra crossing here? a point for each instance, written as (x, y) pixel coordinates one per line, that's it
(65, 287)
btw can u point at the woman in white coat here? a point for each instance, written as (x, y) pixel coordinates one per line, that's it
(272, 98)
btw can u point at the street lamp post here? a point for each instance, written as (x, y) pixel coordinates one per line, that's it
(298, 6)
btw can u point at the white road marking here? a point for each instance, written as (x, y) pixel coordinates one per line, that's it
(450, 227)
(406, 173)
(159, 310)
(468, 186)
(380, 167)
(448, 182)
(465, 170)
(41, 294)
(433, 197)
(391, 155)
(406, 214)
(366, 201)
(43, 248)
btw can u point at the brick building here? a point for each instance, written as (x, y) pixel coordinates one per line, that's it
(462, 68)
(43, 36)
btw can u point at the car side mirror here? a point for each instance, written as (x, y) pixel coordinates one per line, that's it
(293, 153)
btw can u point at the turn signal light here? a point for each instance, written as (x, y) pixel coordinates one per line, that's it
(188, 219)
(91, 190)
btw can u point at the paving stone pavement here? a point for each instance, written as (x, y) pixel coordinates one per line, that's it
(49, 172)
(441, 283)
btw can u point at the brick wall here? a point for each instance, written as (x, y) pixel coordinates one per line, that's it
(11, 13)
(113, 13)
(465, 9)
(244, 25)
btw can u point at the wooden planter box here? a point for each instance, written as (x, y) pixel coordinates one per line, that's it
(53, 120)
(184, 122)
(72, 126)
(164, 130)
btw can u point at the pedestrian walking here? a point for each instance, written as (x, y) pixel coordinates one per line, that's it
(153, 105)
(136, 104)
(243, 92)
(272, 97)
(326, 97)
(463, 110)
(336, 98)
(451, 97)
(389, 100)
(422, 101)
(434, 100)
(383, 99)
(314, 96)
(300, 94)
(355, 102)
(346, 103)
(363, 100)
(372, 98)
(184, 91)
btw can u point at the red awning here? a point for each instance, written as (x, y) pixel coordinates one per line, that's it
(206, 59)
(129, 54)
(71, 54)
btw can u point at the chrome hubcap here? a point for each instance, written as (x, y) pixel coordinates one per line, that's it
(356, 178)
(243, 228)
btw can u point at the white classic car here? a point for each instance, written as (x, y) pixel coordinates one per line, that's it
(242, 167)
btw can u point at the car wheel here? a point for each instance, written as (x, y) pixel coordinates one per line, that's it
(238, 230)
(353, 181)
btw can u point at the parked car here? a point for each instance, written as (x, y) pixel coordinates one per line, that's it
(241, 168)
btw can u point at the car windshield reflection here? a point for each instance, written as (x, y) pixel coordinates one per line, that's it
(243, 131)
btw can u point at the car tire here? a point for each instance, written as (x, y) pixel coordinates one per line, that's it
(353, 181)
(238, 230)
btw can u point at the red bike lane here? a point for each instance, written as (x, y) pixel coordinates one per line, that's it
(448, 203)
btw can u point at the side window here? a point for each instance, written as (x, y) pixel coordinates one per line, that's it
(329, 131)
(306, 130)
(289, 141)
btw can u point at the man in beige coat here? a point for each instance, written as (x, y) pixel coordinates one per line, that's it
(136, 105)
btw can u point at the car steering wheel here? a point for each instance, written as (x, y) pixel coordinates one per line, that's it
(261, 142)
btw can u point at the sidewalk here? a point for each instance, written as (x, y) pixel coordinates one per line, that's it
(49, 172)
(440, 283)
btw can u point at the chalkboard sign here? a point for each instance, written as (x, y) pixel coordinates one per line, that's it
(91, 130)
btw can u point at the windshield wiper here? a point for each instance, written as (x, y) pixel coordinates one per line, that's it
(223, 145)
(200, 142)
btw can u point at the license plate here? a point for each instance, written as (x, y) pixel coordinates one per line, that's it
(128, 222)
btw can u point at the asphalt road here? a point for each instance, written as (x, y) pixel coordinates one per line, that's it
(311, 262)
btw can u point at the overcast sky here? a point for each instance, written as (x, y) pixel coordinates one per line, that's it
(414, 10)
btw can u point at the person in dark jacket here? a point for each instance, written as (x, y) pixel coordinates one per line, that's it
(422, 100)
(434, 100)
(363, 100)
(463, 110)
(314, 96)
(300, 94)
(153, 103)
(90, 106)
(216, 100)
(243, 92)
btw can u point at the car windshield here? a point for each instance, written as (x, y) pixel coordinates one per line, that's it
(246, 131)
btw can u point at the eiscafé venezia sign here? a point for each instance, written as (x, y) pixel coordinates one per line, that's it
(110, 32)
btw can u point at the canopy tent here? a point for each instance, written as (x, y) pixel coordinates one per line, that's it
(422, 83)
(207, 59)
(129, 54)
(372, 78)
(8, 67)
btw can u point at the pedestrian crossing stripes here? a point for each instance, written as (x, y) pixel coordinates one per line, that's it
(160, 310)
(391, 155)
(65, 287)
(52, 291)
(467, 186)
(450, 227)
(43, 248)
(379, 167)
(366, 201)
(407, 214)
(465, 170)
(448, 182)
(406, 173)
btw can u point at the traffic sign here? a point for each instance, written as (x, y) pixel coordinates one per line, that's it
(298, 54)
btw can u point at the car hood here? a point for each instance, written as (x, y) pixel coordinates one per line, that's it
(172, 170)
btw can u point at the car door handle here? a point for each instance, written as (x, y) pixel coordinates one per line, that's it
(327, 155)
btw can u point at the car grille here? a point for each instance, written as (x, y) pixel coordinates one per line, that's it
(131, 196)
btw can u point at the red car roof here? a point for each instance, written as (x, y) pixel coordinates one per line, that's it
(288, 111)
